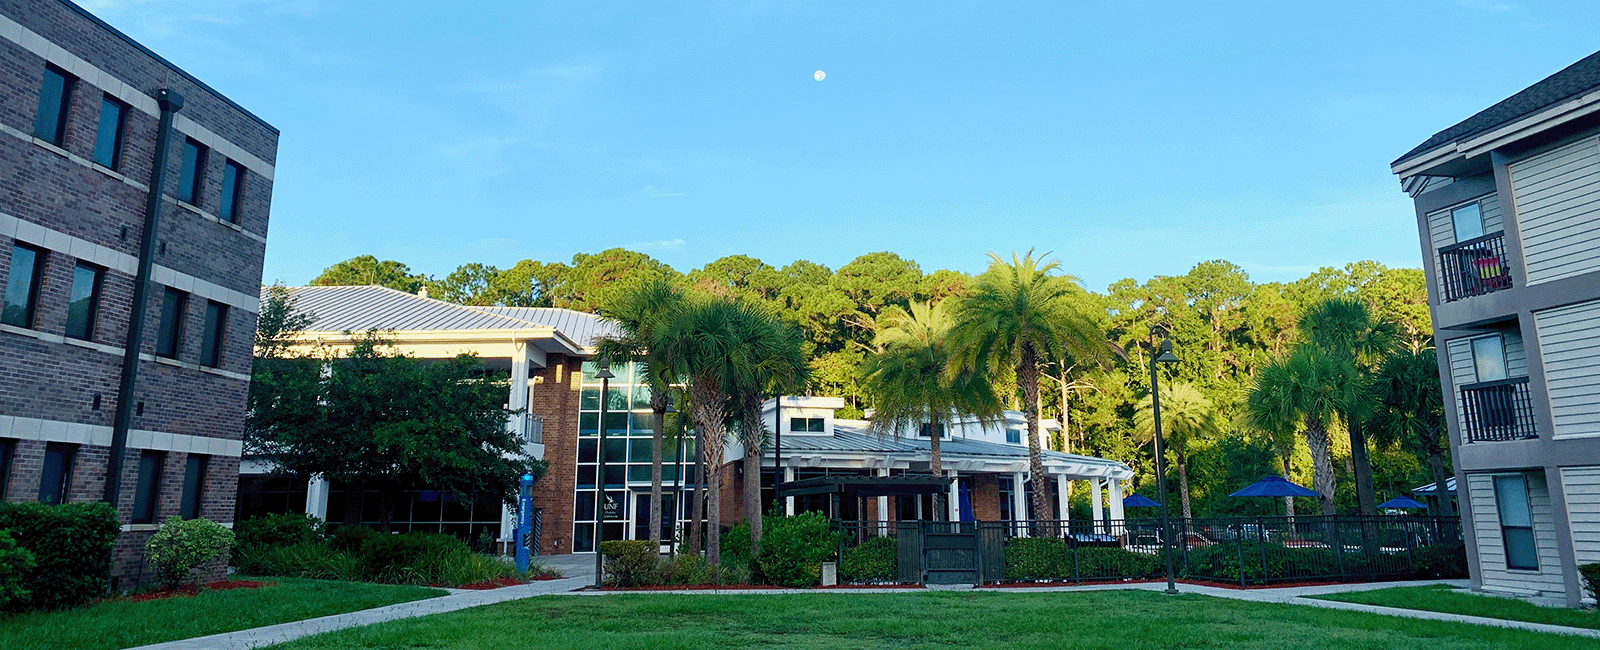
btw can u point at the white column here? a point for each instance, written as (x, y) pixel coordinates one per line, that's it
(1098, 507)
(317, 497)
(1019, 504)
(1116, 502)
(1061, 496)
(788, 502)
(517, 400)
(883, 503)
(954, 505)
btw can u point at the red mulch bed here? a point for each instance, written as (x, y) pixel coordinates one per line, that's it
(498, 583)
(193, 590)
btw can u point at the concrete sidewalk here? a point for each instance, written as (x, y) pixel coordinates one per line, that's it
(582, 570)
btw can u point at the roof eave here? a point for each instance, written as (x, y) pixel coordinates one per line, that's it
(1505, 134)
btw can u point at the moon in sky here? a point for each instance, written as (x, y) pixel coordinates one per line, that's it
(820, 75)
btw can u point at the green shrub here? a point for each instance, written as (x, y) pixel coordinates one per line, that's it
(183, 544)
(390, 558)
(350, 538)
(277, 530)
(15, 564)
(874, 560)
(318, 560)
(455, 568)
(685, 569)
(1037, 558)
(793, 550)
(71, 546)
(630, 563)
(1591, 576)
(1441, 561)
(1113, 563)
(1268, 561)
(736, 544)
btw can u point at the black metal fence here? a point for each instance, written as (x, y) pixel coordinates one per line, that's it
(1241, 551)
(1497, 410)
(1474, 267)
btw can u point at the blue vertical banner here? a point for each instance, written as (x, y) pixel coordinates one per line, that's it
(524, 523)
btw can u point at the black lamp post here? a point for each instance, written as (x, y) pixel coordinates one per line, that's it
(603, 372)
(1163, 355)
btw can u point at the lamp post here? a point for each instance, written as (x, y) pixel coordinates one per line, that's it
(1163, 355)
(777, 449)
(603, 372)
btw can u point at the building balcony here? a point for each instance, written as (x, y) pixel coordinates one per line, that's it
(1495, 411)
(1473, 268)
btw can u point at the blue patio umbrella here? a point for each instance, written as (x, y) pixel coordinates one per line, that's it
(1137, 500)
(1406, 503)
(1273, 486)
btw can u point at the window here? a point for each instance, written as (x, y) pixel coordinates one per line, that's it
(1014, 436)
(807, 425)
(56, 474)
(193, 177)
(232, 188)
(170, 337)
(1489, 358)
(22, 287)
(147, 493)
(1468, 220)
(194, 480)
(108, 137)
(8, 449)
(211, 340)
(1516, 522)
(55, 97)
(923, 432)
(1007, 489)
(85, 300)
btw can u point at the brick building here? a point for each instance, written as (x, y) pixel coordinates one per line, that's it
(546, 358)
(83, 110)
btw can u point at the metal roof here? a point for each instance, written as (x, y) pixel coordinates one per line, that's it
(847, 438)
(1573, 81)
(358, 309)
(1449, 486)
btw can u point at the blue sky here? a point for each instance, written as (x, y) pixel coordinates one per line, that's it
(1131, 139)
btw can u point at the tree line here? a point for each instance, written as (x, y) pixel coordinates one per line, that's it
(1227, 330)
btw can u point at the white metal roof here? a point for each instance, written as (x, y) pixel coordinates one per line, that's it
(358, 309)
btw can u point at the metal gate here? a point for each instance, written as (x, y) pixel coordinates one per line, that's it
(949, 553)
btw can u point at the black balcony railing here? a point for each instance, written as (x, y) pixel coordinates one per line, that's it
(1474, 267)
(1499, 410)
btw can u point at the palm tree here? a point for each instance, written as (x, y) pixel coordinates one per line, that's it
(1346, 329)
(642, 313)
(1308, 388)
(1187, 417)
(767, 359)
(909, 383)
(1410, 411)
(1018, 316)
(704, 345)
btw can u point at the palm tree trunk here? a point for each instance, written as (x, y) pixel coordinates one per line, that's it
(658, 408)
(754, 439)
(1183, 486)
(1288, 502)
(708, 419)
(699, 504)
(1028, 381)
(1321, 463)
(936, 467)
(1366, 496)
(1436, 460)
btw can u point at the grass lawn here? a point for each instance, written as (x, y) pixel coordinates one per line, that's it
(1440, 598)
(1109, 620)
(124, 624)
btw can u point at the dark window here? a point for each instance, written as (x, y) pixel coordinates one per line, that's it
(8, 449)
(148, 491)
(808, 425)
(170, 337)
(194, 480)
(232, 187)
(193, 177)
(108, 138)
(55, 97)
(22, 287)
(211, 341)
(1014, 436)
(1516, 522)
(85, 304)
(56, 474)
(925, 429)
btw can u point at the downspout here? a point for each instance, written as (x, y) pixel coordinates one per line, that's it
(170, 102)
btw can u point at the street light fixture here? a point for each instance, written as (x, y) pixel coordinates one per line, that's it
(1163, 355)
(603, 373)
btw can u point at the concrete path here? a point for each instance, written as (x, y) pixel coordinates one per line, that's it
(580, 570)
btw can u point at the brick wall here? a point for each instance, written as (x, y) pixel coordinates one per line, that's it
(555, 398)
(42, 376)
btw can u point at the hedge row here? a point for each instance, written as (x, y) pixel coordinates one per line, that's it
(1049, 558)
(70, 546)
